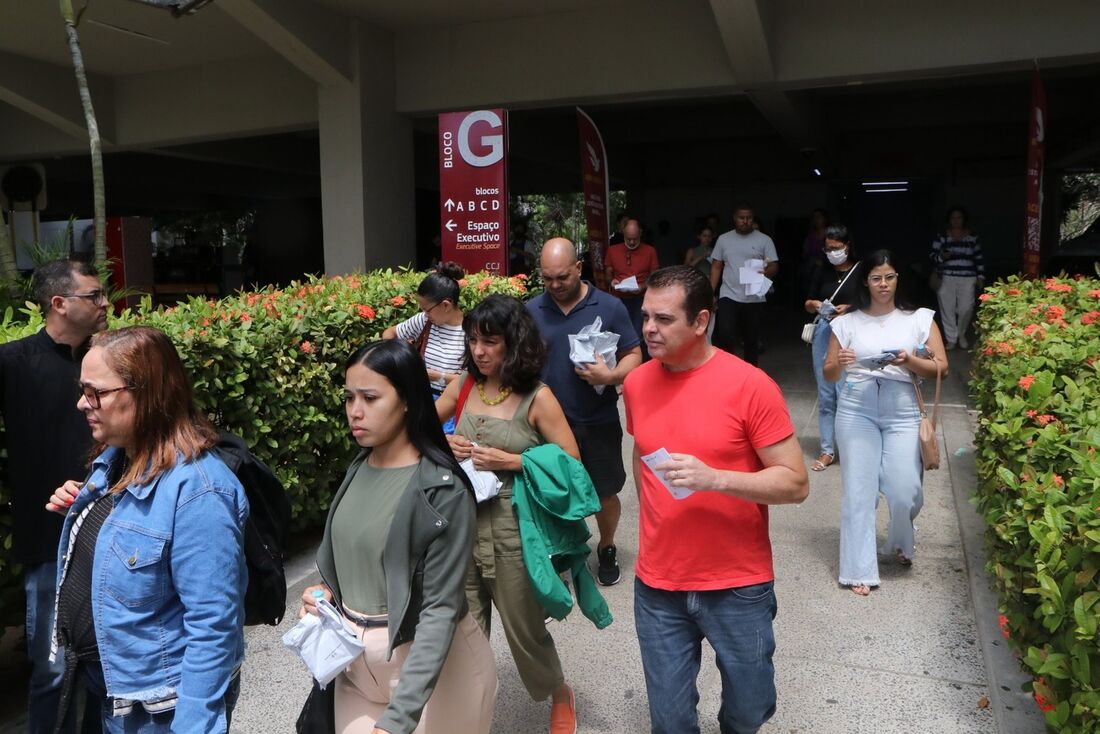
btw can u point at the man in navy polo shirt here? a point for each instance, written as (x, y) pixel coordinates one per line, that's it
(568, 305)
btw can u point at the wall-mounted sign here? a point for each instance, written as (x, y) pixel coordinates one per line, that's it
(473, 189)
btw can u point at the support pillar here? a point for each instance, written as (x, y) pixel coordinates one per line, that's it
(367, 187)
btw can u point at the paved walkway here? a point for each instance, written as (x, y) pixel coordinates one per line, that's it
(913, 657)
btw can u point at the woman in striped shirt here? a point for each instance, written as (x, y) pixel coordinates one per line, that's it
(437, 329)
(957, 257)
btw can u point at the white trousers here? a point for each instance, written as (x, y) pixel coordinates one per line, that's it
(956, 297)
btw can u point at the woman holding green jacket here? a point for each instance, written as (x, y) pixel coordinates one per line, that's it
(393, 560)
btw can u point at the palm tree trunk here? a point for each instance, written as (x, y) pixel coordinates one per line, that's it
(9, 272)
(99, 197)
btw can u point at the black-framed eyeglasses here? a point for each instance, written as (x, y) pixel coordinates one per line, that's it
(428, 310)
(94, 296)
(93, 394)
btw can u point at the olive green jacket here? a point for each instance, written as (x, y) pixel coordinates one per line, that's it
(427, 552)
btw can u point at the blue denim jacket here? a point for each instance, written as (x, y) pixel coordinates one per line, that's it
(168, 588)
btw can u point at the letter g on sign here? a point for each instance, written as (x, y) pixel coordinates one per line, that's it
(495, 143)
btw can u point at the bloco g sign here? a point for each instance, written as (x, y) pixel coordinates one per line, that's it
(473, 189)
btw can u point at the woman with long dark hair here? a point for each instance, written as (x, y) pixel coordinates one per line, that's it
(875, 349)
(151, 563)
(393, 560)
(505, 411)
(831, 293)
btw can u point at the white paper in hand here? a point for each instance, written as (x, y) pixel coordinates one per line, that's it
(628, 285)
(486, 483)
(324, 643)
(590, 341)
(657, 458)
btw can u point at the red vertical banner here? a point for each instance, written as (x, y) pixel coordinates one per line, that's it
(596, 191)
(473, 189)
(1036, 136)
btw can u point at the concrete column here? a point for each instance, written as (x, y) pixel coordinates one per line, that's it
(367, 185)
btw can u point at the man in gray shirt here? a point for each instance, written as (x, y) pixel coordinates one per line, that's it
(739, 315)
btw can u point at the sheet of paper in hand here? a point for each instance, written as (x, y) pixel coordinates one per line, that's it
(590, 341)
(657, 458)
(486, 483)
(628, 285)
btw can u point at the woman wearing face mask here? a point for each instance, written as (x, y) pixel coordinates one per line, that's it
(878, 417)
(393, 556)
(506, 411)
(821, 301)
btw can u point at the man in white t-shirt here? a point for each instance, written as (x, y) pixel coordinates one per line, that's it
(740, 314)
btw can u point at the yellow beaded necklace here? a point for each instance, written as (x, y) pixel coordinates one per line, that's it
(500, 398)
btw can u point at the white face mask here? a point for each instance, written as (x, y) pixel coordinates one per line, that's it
(837, 257)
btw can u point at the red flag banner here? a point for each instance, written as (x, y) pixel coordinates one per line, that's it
(1036, 135)
(473, 189)
(594, 172)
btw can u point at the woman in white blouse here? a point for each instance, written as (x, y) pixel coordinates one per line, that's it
(874, 349)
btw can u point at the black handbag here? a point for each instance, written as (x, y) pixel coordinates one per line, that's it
(319, 713)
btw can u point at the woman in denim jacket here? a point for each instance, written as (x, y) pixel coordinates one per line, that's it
(151, 569)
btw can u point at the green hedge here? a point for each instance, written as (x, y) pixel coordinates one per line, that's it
(1036, 384)
(268, 365)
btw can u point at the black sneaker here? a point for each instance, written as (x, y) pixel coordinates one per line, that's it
(608, 572)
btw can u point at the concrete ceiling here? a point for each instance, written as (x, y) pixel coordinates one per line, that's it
(405, 14)
(151, 40)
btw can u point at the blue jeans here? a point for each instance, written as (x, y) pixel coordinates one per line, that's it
(44, 689)
(877, 430)
(139, 721)
(737, 623)
(826, 391)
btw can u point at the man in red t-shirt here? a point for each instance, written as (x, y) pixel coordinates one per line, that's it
(713, 447)
(631, 258)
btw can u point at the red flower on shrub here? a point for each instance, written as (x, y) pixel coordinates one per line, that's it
(521, 276)
(1032, 413)
(1090, 318)
(202, 333)
(1005, 348)
(206, 322)
(1026, 381)
(245, 317)
(1044, 705)
(1094, 293)
(1054, 285)
(1002, 622)
(988, 351)
(1030, 329)
(483, 284)
(1012, 292)
(397, 301)
(1055, 313)
(1058, 480)
(365, 312)
(462, 282)
(307, 348)
(985, 297)
(1045, 419)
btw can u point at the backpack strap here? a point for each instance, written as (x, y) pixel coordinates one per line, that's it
(463, 393)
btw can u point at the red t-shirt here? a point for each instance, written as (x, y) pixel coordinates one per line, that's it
(639, 262)
(719, 412)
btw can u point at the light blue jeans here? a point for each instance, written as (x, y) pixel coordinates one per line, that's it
(877, 431)
(826, 391)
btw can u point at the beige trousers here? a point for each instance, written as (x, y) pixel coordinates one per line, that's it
(464, 695)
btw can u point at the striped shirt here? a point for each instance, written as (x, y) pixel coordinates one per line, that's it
(961, 258)
(446, 348)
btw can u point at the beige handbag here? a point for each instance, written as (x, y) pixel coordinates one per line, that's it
(929, 443)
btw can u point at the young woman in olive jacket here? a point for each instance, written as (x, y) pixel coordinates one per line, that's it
(393, 559)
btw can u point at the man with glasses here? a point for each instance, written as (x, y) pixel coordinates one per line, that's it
(587, 394)
(632, 258)
(47, 441)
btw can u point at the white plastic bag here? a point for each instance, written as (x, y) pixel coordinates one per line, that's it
(486, 483)
(324, 643)
(590, 341)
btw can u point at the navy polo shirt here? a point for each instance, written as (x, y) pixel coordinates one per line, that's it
(579, 400)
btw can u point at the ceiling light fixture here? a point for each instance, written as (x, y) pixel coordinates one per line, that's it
(885, 183)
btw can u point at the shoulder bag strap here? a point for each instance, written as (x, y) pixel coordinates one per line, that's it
(850, 271)
(920, 397)
(422, 342)
(463, 393)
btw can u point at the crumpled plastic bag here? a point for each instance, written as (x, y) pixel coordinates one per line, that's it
(324, 643)
(486, 483)
(590, 341)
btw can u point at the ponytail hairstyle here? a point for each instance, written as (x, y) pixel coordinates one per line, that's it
(442, 284)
